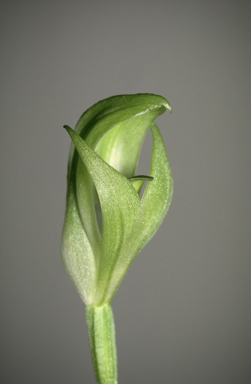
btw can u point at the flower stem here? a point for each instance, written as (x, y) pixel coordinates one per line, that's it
(101, 332)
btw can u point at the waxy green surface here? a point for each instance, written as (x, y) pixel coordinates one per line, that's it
(101, 183)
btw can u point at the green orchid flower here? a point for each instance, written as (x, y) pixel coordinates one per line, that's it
(107, 223)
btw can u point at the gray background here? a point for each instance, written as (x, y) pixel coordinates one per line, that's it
(183, 311)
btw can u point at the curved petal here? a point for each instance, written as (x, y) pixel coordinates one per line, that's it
(154, 206)
(158, 194)
(120, 206)
(121, 146)
(107, 113)
(77, 252)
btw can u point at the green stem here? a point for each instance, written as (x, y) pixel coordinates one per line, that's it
(101, 332)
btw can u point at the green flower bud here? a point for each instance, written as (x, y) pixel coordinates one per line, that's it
(106, 223)
(101, 177)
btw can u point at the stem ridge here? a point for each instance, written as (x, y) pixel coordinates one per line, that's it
(101, 330)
